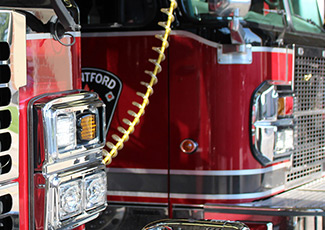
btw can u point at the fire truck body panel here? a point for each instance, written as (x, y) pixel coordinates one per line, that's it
(227, 119)
(149, 176)
(222, 96)
(187, 88)
(39, 82)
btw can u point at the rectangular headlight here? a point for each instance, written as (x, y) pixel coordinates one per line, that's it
(65, 131)
(272, 122)
(75, 130)
(95, 188)
(284, 140)
(68, 125)
(75, 195)
(70, 198)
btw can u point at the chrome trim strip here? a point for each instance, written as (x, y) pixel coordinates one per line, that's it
(120, 34)
(227, 196)
(39, 36)
(198, 196)
(293, 67)
(242, 172)
(287, 65)
(93, 156)
(138, 194)
(231, 172)
(272, 50)
(137, 171)
(180, 33)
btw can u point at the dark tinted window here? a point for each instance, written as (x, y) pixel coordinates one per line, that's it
(116, 12)
(25, 3)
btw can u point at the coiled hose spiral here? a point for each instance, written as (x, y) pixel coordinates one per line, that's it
(108, 156)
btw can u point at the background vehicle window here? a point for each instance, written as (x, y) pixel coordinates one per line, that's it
(114, 13)
(196, 8)
(306, 16)
(25, 3)
(305, 13)
(265, 12)
(269, 12)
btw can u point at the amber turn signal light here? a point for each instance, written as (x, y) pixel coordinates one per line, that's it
(88, 127)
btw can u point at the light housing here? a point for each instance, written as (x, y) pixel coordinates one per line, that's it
(95, 190)
(88, 129)
(67, 138)
(75, 196)
(65, 131)
(70, 199)
(69, 126)
(272, 122)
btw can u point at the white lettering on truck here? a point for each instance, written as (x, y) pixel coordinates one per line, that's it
(99, 79)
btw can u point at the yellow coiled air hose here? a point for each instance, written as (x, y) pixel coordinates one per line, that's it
(160, 50)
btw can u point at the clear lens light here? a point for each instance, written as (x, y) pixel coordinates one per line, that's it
(95, 190)
(284, 141)
(66, 131)
(70, 199)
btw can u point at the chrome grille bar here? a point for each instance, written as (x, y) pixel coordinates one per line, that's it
(12, 77)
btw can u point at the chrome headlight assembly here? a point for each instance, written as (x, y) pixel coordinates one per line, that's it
(272, 122)
(75, 196)
(69, 125)
(67, 136)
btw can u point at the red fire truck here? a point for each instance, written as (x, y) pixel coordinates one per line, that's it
(235, 128)
(52, 132)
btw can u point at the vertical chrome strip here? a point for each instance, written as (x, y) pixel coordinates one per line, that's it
(293, 66)
(288, 14)
(15, 36)
(13, 76)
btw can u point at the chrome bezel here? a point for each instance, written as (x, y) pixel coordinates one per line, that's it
(101, 175)
(71, 104)
(265, 122)
(47, 173)
(52, 201)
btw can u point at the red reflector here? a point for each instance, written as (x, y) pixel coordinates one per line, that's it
(188, 146)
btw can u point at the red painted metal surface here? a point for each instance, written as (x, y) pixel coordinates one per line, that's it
(127, 58)
(195, 98)
(51, 67)
(210, 103)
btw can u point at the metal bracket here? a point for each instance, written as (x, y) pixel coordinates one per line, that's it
(235, 54)
(236, 29)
